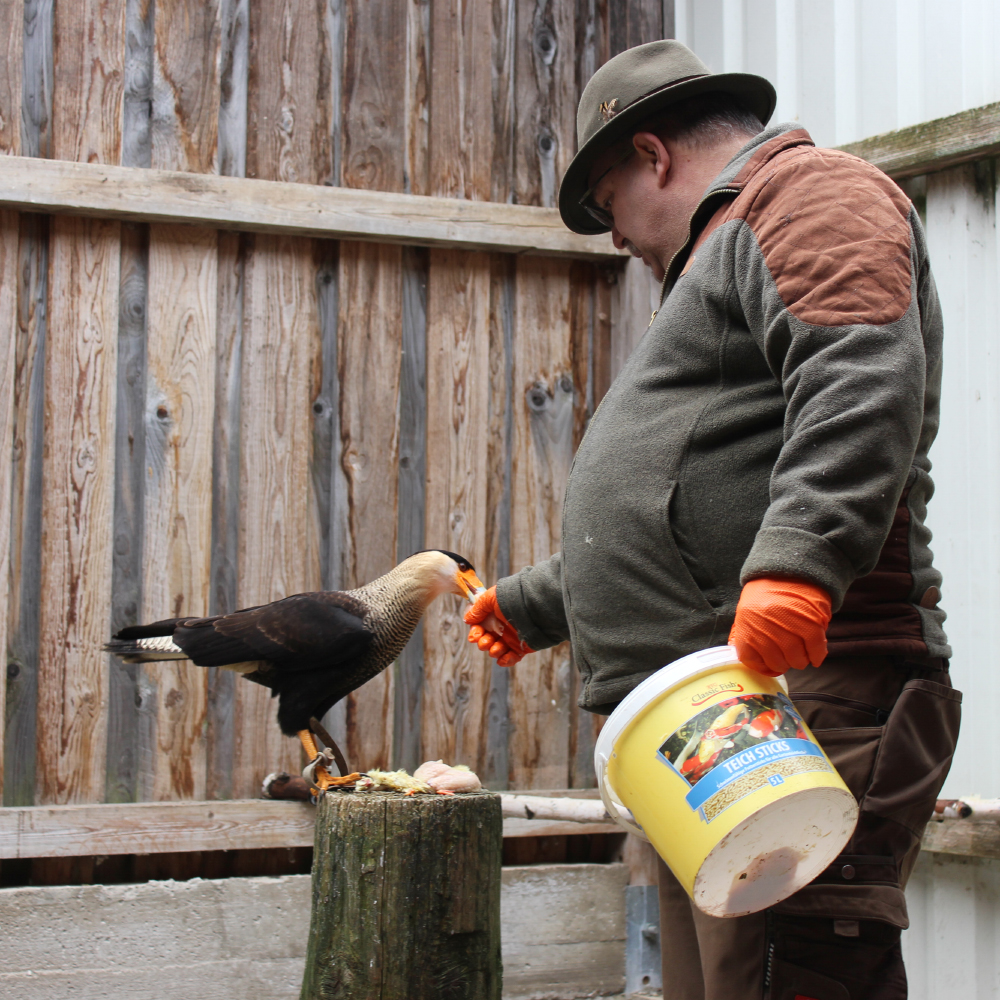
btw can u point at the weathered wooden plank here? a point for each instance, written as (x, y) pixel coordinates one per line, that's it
(461, 139)
(592, 40)
(185, 92)
(78, 464)
(234, 54)
(8, 366)
(36, 84)
(128, 699)
(276, 207)
(409, 670)
(634, 22)
(326, 411)
(456, 674)
(154, 828)
(288, 125)
(87, 101)
(504, 51)
(972, 838)
(499, 456)
(168, 827)
(545, 98)
(126, 708)
(137, 98)
(369, 356)
(669, 19)
(26, 513)
(179, 399)
(417, 88)
(78, 484)
(934, 145)
(374, 76)
(543, 395)
(278, 546)
(180, 406)
(225, 500)
(11, 65)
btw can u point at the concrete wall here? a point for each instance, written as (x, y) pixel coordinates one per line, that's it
(230, 939)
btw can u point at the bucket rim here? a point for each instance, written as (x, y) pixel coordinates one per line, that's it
(672, 675)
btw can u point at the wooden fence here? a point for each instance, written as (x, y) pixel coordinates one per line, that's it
(213, 404)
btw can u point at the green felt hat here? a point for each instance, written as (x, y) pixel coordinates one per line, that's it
(629, 88)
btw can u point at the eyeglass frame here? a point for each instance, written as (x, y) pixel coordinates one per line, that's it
(601, 215)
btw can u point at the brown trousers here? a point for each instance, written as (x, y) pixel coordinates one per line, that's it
(889, 725)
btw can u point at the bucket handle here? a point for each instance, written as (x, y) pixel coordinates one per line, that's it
(615, 808)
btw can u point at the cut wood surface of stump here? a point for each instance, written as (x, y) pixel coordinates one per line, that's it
(405, 898)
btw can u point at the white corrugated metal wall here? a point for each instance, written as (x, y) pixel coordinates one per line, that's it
(847, 69)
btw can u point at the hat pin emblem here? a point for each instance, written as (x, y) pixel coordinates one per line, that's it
(609, 109)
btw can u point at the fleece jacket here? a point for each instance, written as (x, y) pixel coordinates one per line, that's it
(775, 419)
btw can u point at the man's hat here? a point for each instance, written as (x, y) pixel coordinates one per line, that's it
(629, 88)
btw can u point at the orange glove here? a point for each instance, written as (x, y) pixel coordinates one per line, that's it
(780, 623)
(491, 631)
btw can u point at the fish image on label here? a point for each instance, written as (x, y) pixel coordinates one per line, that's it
(737, 746)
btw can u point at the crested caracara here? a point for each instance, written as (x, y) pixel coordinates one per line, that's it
(311, 650)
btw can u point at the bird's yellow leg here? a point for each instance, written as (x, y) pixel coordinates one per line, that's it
(320, 777)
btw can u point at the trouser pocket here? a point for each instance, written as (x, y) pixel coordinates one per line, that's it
(915, 754)
(895, 771)
(809, 959)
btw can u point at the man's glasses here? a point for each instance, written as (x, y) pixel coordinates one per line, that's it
(602, 215)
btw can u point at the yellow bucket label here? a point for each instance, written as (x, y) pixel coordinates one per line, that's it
(737, 746)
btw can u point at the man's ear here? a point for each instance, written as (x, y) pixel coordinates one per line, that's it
(653, 154)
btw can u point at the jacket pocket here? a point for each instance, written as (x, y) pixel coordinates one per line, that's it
(683, 571)
(915, 754)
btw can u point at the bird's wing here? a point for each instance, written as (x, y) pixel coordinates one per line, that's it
(302, 632)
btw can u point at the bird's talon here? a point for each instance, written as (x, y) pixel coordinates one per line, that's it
(444, 791)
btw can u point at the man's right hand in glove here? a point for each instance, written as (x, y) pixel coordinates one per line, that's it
(491, 631)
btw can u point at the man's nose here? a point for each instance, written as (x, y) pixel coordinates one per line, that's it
(618, 239)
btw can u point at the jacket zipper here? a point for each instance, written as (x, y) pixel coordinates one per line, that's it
(688, 241)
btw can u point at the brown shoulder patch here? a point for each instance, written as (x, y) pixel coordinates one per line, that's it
(835, 234)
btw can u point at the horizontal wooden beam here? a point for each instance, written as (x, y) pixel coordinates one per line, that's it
(934, 145)
(160, 827)
(139, 194)
(968, 837)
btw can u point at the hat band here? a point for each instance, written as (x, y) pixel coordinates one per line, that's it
(657, 90)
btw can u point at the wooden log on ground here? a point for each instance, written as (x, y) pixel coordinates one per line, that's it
(405, 898)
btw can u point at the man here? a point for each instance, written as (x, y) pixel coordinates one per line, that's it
(759, 470)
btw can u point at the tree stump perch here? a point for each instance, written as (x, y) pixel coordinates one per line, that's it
(405, 898)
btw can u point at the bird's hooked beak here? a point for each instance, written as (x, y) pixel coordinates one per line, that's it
(469, 584)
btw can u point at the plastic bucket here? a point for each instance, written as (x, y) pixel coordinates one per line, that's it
(726, 782)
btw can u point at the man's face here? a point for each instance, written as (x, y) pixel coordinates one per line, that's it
(650, 196)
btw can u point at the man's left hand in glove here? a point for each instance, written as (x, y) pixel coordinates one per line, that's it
(780, 623)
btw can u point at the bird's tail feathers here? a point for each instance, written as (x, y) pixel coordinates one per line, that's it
(145, 650)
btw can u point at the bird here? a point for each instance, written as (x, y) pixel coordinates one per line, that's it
(310, 649)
